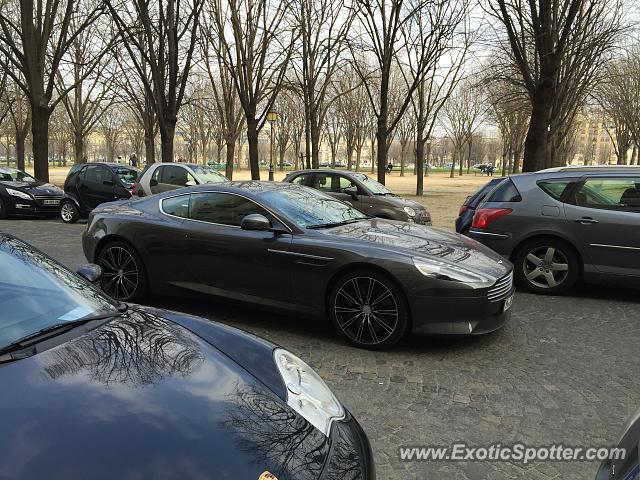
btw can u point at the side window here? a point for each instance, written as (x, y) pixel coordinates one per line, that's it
(222, 208)
(97, 174)
(322, 182)
(156, 174)
(610, 194)
(555, 188)
(178, 206)
(174, 175)
(344, 182)
(300, 179)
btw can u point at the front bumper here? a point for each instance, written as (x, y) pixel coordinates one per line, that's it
(501, 243)
(350, 456)
(20, 206)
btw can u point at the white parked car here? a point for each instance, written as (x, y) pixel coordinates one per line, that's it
(162, 177)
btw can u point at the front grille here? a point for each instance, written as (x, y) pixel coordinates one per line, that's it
(48, 197)
(501, 289)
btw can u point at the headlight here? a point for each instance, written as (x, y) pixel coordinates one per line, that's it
(17, 193)
(409, 211)
(446, 271)
(307, 393)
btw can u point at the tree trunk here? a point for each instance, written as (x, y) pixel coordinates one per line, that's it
(315, 143)
(403, 148)
(20, 138)
(358, 156)
(419, 165)
(78, 147)
(231, 145)
(381, 138)
(167, 135)
(40, 134)
(453, 165)
(252, 139)
(634, 155)
(349, 158)
(535, 145)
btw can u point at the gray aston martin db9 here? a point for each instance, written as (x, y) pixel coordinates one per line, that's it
(291, 247)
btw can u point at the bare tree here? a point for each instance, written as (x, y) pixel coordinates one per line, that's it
(406, 132)
(288, 108)
(323, 26)
(35, 38)
(353, 107)
(112, 126)
(160, 38)
(20, 112)
(256, 42)
(333, 131)
(556, 47)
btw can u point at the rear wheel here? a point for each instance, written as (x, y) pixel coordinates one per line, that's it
(69, 212)
(546, 266)
(369, 310)
(123, 275)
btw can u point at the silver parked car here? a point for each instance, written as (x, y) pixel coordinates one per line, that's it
(162, 177)
(562, 225)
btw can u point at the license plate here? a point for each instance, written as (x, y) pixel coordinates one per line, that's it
(507, 303)
(51, 202)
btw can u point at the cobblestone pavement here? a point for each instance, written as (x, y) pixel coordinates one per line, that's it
(564, 370)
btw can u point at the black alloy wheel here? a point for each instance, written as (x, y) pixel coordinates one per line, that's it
(123, 276)
(369, 310)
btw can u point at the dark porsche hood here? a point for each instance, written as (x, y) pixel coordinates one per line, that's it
(35, 188)
(422, 241)
(141, 397)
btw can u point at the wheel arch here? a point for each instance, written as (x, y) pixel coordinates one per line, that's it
(114, 238)
(553, 236)
(351, 267)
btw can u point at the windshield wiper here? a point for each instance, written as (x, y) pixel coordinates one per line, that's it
(13, 351)
(336, 224)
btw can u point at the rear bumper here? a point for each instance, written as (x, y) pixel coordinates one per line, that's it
(350, 455)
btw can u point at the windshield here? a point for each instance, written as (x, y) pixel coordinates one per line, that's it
(128, 176)
(12, 175)
(309, 208)
(374, 187)
(36, 293)
(209, 175)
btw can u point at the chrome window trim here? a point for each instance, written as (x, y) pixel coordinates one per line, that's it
(214, 223)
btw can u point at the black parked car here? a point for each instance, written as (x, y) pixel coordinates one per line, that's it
(21, 194)
(291, 247)
(362, 192)
(566, 224)
(92, 388)
(90, 184)
(468, 208)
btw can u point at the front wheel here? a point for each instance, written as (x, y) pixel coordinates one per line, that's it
(123, 275)
(369, 310)
(69, 212)
(546, 266)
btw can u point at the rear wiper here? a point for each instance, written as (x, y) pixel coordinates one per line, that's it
(336, 224)
(14, 351)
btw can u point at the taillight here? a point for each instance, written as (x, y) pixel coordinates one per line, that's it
(463, 209)
(134, 189)
(485, 216)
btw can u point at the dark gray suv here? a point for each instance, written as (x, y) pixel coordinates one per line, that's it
(363, 193)
(566, 224)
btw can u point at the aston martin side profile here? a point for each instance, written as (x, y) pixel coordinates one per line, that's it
(291, 247)
(95, 388)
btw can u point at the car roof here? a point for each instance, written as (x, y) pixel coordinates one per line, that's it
(592, 168)
(325, 170)
(254, 187)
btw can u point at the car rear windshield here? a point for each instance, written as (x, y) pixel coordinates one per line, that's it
(209, 175)
(555, 187)
(477, 197)
(505, 192)
(128, 176)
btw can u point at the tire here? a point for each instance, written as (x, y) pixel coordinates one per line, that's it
(368, 310)
(69, 212)
(123, 274)
(546, 266)
(3, 209)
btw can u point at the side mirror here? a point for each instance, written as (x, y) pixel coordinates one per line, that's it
(190, 183)
(353, 191)
(90, 272)
(255, 221)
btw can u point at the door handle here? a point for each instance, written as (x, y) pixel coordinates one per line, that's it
(587, 221)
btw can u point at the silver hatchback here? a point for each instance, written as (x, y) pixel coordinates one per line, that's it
(562, 225)
(162, 177)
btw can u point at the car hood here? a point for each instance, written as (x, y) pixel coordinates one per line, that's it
(422, 241)
(400, 202)
(36, 188)
(142, 397)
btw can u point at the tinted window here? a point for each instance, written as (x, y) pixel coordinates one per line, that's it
(555, 188)
(300, 179)
(128, 176)
(474, 199)
(97, 174)
(222, 208)
(610, 193)
(36, 292)
(505, 192)
(174, 175)
(178, 206)
(325, 182)
(208, 175)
